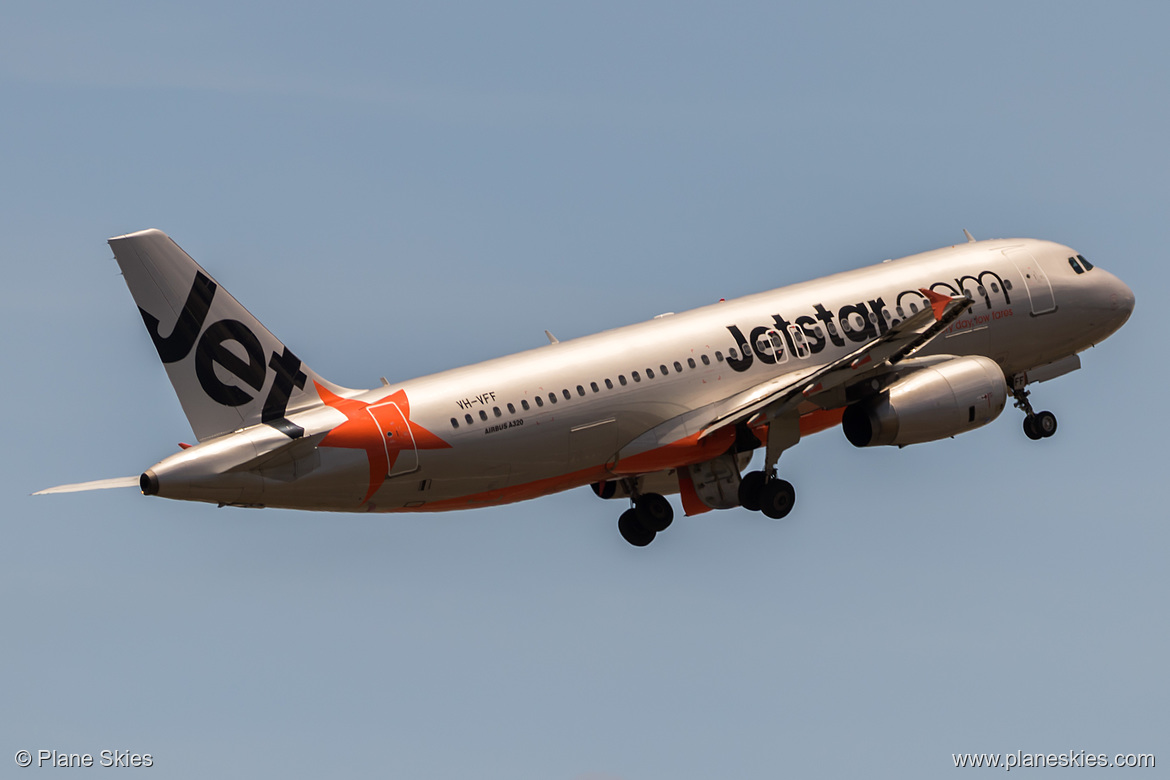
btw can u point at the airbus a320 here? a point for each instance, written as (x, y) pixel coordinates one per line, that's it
(907, 351)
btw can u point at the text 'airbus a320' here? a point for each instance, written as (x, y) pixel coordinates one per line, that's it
(907, 351)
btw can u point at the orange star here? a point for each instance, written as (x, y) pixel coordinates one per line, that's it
(379, 429)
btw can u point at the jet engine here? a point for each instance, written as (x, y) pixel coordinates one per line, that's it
(936, 402)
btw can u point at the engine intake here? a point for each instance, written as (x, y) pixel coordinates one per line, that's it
(933, 403)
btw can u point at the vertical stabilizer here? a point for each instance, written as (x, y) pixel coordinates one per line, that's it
(228, 370)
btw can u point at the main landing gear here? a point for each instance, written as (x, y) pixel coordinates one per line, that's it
(650, 514)
(1037, 425)
(763, 491)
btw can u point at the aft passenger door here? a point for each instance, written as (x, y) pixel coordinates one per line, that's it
(401, 451)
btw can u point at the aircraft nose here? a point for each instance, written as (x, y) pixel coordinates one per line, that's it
(1125, 296)
(1113, 302)
(1120, 299)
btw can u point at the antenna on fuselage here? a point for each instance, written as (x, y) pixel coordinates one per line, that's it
(970, 238)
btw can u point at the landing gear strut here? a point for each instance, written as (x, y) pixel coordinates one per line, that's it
(650, 515)
(1037, 425)
(763, 491)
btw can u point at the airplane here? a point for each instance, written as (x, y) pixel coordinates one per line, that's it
(907, 351)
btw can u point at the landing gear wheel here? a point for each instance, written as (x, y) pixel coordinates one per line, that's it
(750, 487)
(1045, 424)
(654, 512)
(777, 498)
(1037, 425)
(632, 530)
(1030, 429)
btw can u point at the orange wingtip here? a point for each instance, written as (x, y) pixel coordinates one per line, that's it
(938, 301)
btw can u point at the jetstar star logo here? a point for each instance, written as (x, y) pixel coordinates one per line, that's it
(382, 428)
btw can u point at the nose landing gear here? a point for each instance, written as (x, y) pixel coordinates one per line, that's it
(1037, 425)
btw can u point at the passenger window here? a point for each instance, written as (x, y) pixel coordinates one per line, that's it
(511, 409)
(913, 307)
(1073, 262)
(482, 415)
(454, 423)
(706, 360)
(677, 367)
(719, 356)
(662, 368)
(552, 398)
(593, 386)
(649, 373)
(567, 394)
(798, 340)
(622, 380)
(496, 411)
(691, 362)
(778, 342)
(524, 404)
(608, 385)
(1088, 266)
(539, 401)
(468, 418)
(1007, 284)
(732, 353)
(636, 377)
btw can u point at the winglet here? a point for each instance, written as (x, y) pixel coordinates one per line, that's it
(551, 338)
(970, 238)
(938, 301)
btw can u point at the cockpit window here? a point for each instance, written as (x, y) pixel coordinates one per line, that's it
(1088, 266)
(1075, 265)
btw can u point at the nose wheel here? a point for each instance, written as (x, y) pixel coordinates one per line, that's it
(1040, 426)
(1037, 425)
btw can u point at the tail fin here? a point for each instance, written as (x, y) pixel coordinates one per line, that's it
(228, 370)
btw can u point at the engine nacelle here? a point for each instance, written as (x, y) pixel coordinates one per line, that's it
(946, 399)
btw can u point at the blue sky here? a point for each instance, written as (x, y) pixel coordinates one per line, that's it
(396, 190)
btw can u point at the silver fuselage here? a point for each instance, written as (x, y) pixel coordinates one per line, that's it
(496, 444)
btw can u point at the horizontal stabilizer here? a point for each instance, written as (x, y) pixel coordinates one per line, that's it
(97, 484)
